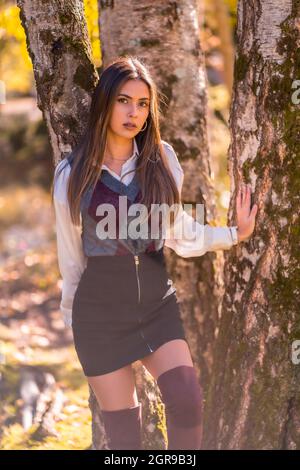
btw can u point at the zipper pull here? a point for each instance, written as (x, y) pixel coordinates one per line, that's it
(137, 261)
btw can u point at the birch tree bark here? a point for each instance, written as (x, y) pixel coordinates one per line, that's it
(165, 35)
(63, 70)
(253, 401)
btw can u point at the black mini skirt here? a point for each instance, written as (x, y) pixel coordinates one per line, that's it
(124, 308)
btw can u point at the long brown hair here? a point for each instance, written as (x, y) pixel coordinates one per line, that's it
(156, 180)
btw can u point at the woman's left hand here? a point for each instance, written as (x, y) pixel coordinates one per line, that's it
(245, 216)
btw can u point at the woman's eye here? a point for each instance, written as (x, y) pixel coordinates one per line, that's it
(121, 100)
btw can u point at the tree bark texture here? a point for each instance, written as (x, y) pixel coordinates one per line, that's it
(253, 401)
(59, 48)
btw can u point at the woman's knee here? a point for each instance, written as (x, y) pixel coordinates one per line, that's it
(182, 395)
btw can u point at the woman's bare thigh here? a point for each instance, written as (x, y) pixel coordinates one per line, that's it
(171, 354)
(115, 390)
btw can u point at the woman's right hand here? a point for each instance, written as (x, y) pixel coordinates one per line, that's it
(245, 216)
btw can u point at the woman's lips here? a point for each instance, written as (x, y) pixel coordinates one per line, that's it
(130, 126)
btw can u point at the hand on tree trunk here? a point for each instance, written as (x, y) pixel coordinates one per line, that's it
(245, 214)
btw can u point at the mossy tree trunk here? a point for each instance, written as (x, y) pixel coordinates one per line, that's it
(165, 35)
(253, 401)
(59, 48)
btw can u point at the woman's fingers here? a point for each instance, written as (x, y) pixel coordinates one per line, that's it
(254, 211)
(240, 197)
(245, 195)
(243, 200)
(248, 200)
(242, 194)
(248, 194)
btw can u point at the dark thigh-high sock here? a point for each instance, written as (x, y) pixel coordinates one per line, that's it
(123, 428)
(183, 399)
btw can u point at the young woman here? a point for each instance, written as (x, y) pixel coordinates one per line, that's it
(116, 293)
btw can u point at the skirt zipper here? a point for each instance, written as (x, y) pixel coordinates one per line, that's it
(137, 262)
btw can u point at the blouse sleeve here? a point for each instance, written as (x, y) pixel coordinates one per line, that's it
(194, 238)
(71, 259)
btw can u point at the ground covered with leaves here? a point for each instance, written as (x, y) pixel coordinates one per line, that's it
(43, 392)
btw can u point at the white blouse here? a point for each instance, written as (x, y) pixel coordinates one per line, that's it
(196, 240)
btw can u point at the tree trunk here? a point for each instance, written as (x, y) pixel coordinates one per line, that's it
(63, 70)
(253, 401)
(165, 35)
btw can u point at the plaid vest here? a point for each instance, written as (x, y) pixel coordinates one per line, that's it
(107, 191)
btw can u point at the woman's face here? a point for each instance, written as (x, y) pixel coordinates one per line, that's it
(131, 105)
